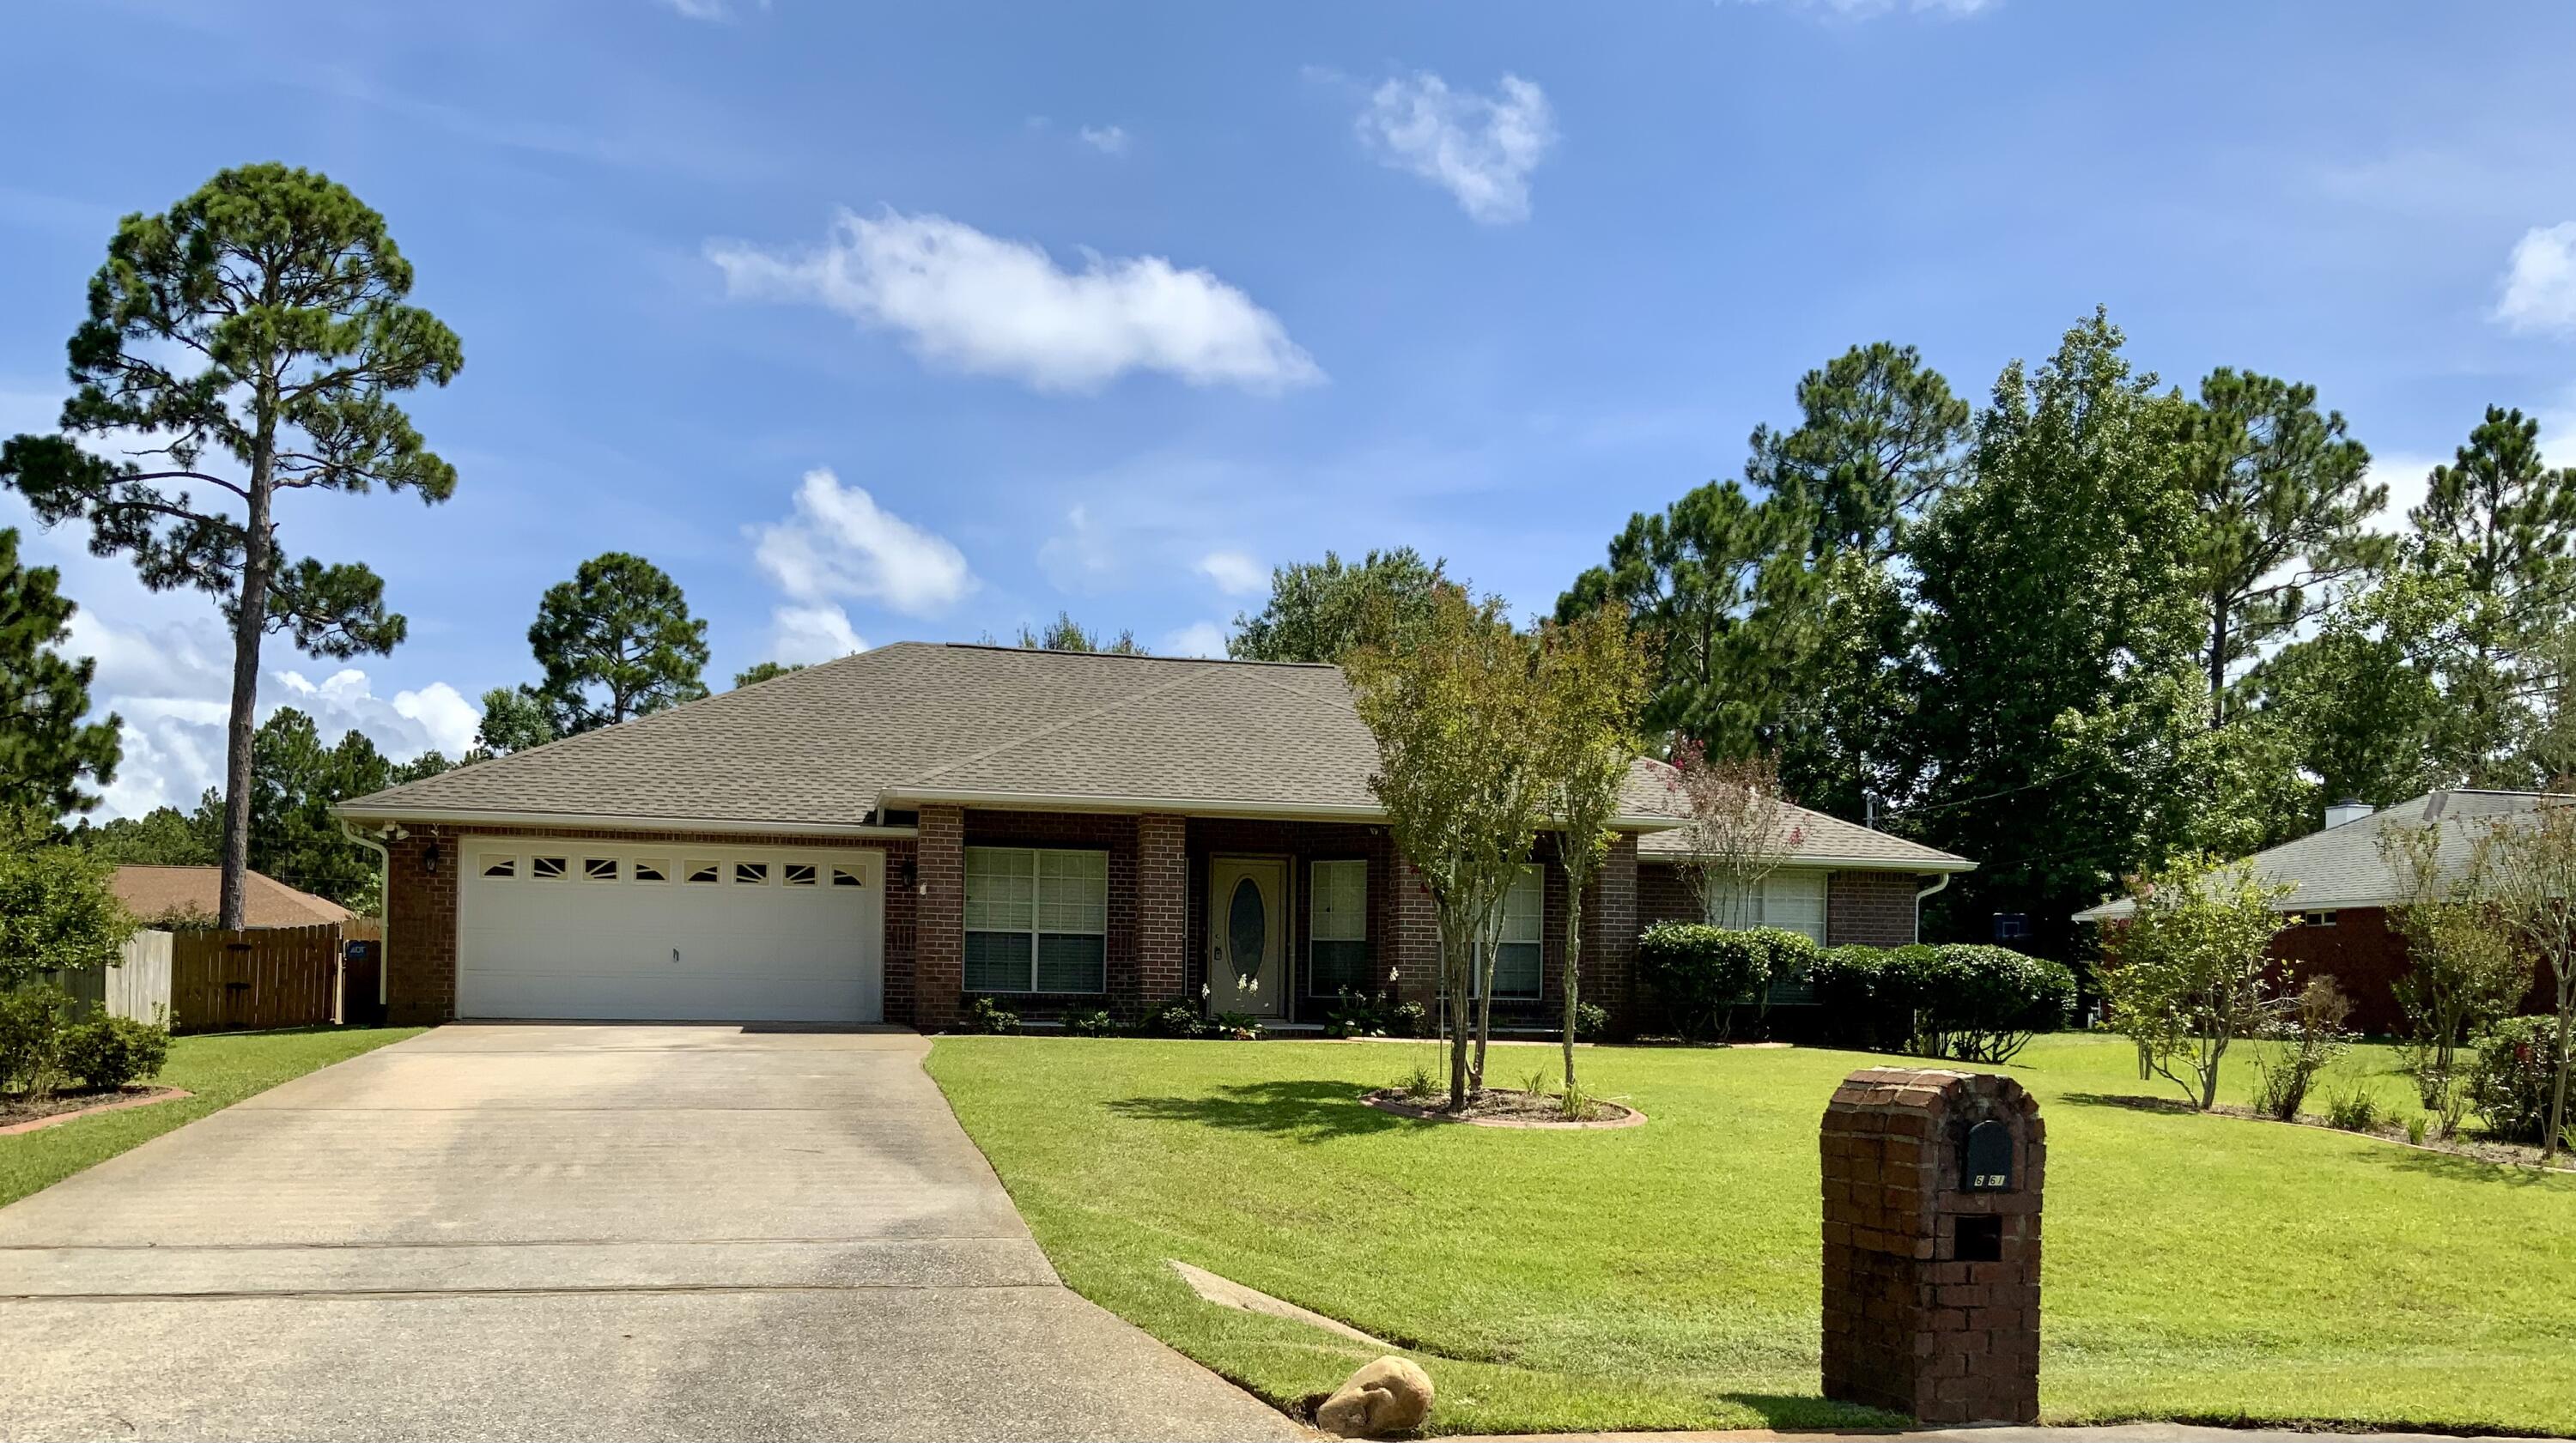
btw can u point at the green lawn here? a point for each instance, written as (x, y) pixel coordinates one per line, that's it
(1666, 1276)
(221, 1070)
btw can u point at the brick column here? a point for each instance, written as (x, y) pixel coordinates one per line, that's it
(420, 928)
(1162, 916)
(939, 919)
(1610, 935)
(1413, 940)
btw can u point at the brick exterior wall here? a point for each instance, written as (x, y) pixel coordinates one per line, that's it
(1162, 972)
(1610, 927)
(1870, 909)
(422, 905)
(931, 985)
(2366, 954)
(1665, 894)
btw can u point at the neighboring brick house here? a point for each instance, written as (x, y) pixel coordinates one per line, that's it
(2343, 892)
(1839, 882)
(895, 834)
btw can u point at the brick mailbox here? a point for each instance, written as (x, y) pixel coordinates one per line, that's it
(1932, 1191)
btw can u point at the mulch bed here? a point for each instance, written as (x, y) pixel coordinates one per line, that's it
(1506, 1107)
(21, 1113)
(2476, 1149)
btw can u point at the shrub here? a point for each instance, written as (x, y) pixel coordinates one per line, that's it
(1983, 1004)
(1591, 1021)
(1094, 1023)
(32, 1023)
(1704, 974)
(988, 1017)
(1237, 1026)
(1176, 1019)
(1356, 1015)
(1867, 996)
(2354, 1110)
(109, 1052)
(2510, 1083)
(56, 912)
(2295, 1049)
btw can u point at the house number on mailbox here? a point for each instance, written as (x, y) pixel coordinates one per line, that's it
(1989, 1161)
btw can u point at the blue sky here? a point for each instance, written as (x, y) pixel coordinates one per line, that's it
(927, 321)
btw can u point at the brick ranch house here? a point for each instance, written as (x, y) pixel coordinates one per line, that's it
(2344, 888)
(892, 835)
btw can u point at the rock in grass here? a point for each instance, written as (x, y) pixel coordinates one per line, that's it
(1387, 1397)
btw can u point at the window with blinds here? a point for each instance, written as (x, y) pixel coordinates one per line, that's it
(1037, 920)
(1520, 962)
(1337, 949)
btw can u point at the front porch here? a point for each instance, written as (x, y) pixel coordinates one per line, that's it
(1052, 914)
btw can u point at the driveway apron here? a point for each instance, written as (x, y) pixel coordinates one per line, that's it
(574, 1232)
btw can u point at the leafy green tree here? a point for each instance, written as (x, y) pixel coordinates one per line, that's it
(1454, 706)
(1592, 675)
(515, 718)
(161, 837)
(56, 909)
(1719, 581)
(2363, 701)
(48, 754)
(615, 642)
(260, 322)
(2283, 500)
(2502, 523)
(1066, 634)
(2187, 974)
(2463, 967)
(2054, 667)
(760, 671)
(2527, 865)
(1319, 610)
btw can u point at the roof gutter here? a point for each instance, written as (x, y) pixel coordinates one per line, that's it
(385, 897)
(910, 797)
(606, 822)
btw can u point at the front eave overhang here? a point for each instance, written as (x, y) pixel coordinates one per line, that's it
(909, 798)
(1918, 867)
(387, 814)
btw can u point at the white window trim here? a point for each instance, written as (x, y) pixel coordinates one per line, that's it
(1315, 893)
(1761, 909)
(1034, 932)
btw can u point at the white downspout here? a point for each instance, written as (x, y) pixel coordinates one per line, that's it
(385, 891)
(1918, 903)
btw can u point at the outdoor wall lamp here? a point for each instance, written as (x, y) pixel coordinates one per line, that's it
(429, 859)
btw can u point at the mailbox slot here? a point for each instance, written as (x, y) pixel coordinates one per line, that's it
(1979, 1240)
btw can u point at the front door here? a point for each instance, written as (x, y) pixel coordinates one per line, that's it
(1248, 936)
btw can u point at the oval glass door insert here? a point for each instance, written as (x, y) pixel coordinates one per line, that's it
(1247, 930)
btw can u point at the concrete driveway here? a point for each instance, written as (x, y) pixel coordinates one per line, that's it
(579, 1233)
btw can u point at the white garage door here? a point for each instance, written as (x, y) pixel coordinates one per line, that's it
(669, 933)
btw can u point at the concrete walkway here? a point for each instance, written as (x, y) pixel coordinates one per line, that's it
(580, 1233)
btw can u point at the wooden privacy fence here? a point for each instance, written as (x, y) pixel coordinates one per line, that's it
(260, 978)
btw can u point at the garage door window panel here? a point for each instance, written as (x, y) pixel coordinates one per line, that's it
(652, 870)
(599, 869)
(798, 874)
(703, 874)
(501, 868)
(751, 874)
(1037, 920)
(546, 869)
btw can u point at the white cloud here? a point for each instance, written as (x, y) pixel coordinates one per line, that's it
(711, 10)
(1199, 638)
(2540, 281)
(1080, 558)
(1234, 573)
(170, 686)
(840, 543)
(1107, 139)
(808, 634)
(2405, 475)
(1481, 148)
(988, 306)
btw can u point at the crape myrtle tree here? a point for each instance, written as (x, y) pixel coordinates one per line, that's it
(245, 345)
(1740, 831)
(1592, 674)
(2465, 967)
(1453, 703)
(49, 756)
(2529, 867)
(2186, 972)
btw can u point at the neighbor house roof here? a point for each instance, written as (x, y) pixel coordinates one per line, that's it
(2344, 867)
(836, 746)
(1814, 839)
(152, 893)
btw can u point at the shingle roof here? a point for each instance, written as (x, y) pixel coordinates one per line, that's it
(919, 722)
(2343, 867)
(153, 893)
(1815, 838)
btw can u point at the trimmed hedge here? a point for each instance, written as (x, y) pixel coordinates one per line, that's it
(1960, 1000)
(1704, 975)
